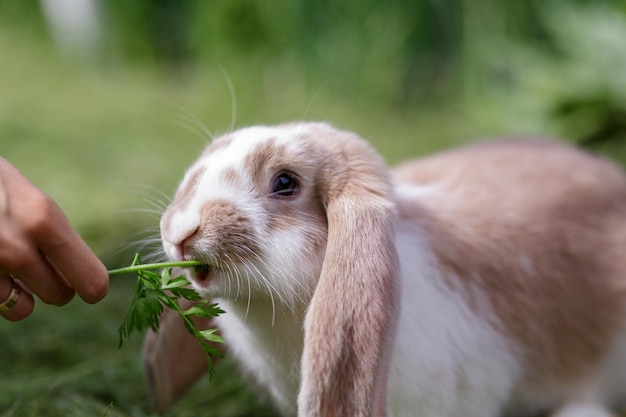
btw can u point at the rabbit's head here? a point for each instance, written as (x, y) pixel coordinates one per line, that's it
(300, 213)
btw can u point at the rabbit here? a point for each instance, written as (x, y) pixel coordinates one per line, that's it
(484, 281)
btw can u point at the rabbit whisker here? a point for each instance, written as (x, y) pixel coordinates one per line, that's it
(195, 126)
(233, 98)
(268, 285)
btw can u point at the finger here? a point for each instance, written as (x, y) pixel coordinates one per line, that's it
(21, 258)
(59, 243)
(41, 221)
(24, 304)
(79, 265)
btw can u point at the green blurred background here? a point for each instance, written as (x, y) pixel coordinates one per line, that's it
(104, 104)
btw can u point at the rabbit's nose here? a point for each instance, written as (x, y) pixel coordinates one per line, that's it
(185, 248)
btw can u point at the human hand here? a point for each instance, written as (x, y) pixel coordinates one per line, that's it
(40, 252)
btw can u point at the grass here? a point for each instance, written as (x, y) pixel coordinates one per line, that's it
(110, 142)
(65, 362)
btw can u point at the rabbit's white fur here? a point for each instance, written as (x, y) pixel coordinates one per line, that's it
(488, 281)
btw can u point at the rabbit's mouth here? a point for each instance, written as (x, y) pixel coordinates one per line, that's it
(204, 273)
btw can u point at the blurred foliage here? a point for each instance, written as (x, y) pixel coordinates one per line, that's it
(109, 133)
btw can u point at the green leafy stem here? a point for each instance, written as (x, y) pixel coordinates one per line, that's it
(137, 266)
(156, 291)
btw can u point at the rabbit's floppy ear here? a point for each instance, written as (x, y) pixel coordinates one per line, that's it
(350, 323)
(173, 359)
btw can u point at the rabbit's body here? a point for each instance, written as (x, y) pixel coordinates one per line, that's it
(537, 314)
(508, 294)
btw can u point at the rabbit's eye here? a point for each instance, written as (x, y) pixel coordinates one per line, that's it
(284, 184)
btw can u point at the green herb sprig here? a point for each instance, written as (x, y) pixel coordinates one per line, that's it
(156, 291)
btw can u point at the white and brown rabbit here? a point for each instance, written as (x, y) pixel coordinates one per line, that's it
(486, 281)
